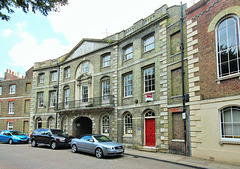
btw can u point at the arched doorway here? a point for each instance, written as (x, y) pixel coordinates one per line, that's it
(83, 125)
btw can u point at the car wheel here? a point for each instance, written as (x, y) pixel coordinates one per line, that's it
(99, 153)
(74, 148)
(10, 141)
(33, 143)
(53, 145)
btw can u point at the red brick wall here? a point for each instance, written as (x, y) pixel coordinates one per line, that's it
(204, 12)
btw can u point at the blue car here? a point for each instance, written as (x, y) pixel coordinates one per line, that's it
(13, 136)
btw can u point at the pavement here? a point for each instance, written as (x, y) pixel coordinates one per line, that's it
(187, 161)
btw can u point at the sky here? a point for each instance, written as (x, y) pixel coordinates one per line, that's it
(29, 38)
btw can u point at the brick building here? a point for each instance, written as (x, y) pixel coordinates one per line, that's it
(117, 86)
(214, 73)
(15, 101)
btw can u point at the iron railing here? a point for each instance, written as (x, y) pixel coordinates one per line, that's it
(105, 101)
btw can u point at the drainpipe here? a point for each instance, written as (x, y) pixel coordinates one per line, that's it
(182, 72)
(57, 92)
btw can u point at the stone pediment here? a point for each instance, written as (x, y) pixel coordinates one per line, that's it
(86, 46)
(84, 78)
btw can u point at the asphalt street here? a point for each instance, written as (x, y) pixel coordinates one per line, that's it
(23, 156)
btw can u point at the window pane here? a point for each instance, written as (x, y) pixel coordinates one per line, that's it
(223, 45)
(224, 56)
(231, 30)
(227, 115)
(222, 34)
(224, 68)
(236, 115)
(232, 42)
(233, 53)
(233, 66)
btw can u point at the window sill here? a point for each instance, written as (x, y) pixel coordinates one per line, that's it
(149, 92)
(148, 51)
(10, 113)
(126, 60)
(175, 97)
(127, 97)
(227, 77)
(105, 67)
(127, 135)
(178, 140)
(237, 142)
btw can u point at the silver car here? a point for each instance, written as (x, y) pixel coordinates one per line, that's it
(99, 145)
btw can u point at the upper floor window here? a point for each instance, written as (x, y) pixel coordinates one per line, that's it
(66, 97)
(106, 61)
(84, 93)
(128, 85)
(149, 79)
(40, 99)
(230, 123)
(67, 72)
(0, 90)
(11, 107)
(106, 89)
(128, 52)
(53, 76)
(148, 43)
(53, 98)
(41, 78)
(227, 37)
(85, 67)
(12, 89)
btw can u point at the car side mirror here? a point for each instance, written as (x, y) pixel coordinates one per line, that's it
(91, 140)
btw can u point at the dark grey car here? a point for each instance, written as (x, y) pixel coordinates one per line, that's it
(53, 137)
(99, 145)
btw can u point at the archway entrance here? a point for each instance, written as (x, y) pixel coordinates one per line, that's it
(83, 125)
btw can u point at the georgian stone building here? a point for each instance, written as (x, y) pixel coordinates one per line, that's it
(214, 86)
(117, 86)
(15, 101)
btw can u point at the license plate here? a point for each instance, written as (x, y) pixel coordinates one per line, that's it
(119, 151)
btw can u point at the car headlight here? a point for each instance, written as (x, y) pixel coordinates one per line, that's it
(62, 139)
(110, 148)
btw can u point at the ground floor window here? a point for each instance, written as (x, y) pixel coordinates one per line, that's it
(10, 125)
(39, 123)
(128, 124)
(105, 124)
(230, 122)
(64, 124)
(51, 122)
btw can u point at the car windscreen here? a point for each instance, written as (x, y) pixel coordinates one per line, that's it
(17, 133)
(102, 139)
(59, 133)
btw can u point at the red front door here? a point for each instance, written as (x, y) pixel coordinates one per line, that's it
(150, 132)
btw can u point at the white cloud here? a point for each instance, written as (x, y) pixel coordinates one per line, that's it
(7, 32)
(93, 18)
(29, 51)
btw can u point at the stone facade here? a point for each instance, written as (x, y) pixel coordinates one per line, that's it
(15, 101)
(214, 87)
(116, 86)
